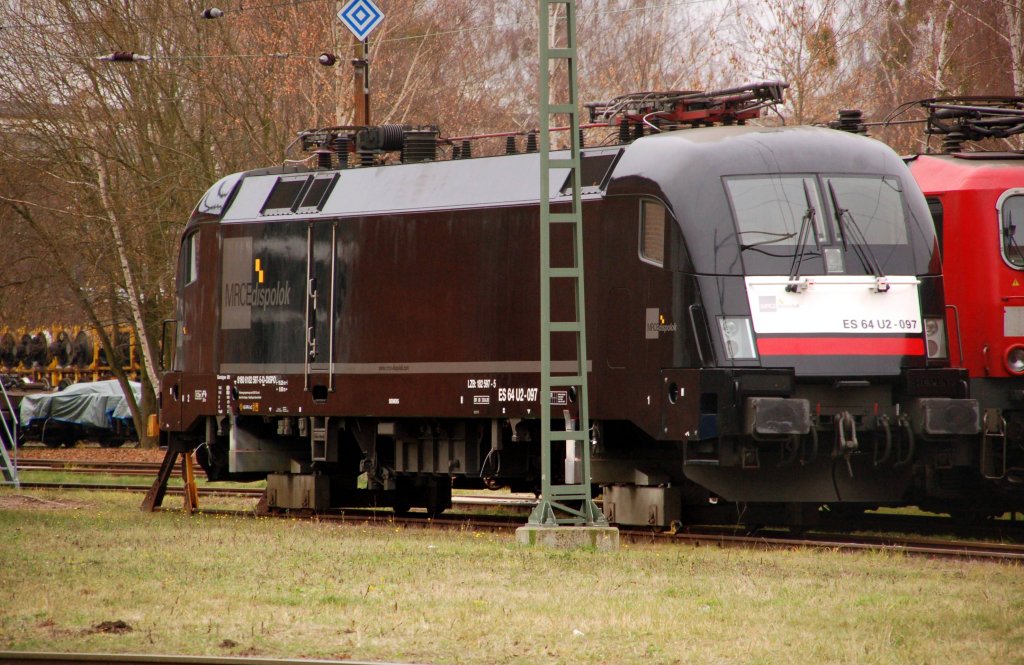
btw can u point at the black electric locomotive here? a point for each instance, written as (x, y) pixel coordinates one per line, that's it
(764, 306)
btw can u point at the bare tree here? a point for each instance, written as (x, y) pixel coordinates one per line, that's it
(650, 45)
(118, 151)
(1014, 10)
(934, 48)
(811, 44)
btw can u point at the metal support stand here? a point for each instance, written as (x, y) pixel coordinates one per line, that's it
(189, 478)
(155, 496)
(567, 503)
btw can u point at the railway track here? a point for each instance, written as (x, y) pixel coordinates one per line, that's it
(715, 537)
(919, 524)
(524, 503)
(114, 487)
(695, 536)
(838, 536)
(1012, 553)
(956, 549)
(43, 658)
(114, 468)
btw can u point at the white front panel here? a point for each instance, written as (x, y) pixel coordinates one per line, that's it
(1013, 321)
(838, 304)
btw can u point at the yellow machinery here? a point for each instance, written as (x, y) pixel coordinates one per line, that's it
(62, 355)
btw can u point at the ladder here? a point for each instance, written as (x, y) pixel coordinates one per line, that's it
(567, 502)
(8, 439)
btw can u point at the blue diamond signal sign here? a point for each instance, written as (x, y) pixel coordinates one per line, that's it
(361, 17)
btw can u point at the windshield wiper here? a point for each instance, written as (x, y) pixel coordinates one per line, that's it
(860, 244)
(807, 227)
(778, 237)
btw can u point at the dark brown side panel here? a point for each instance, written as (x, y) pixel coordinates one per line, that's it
(434, 315)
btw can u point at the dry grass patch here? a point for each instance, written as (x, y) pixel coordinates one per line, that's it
(11, 501)
(288, 588)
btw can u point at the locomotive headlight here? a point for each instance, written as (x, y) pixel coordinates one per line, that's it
(935, 337)
(1015, 359)
(737, 337)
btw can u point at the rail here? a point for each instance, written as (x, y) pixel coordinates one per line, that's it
(41, 658)
(8, 437)
(840, 537)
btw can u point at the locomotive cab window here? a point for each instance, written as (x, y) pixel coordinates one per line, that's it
(1011, 222)
(871, 207)
(652, 232)
(190, 258)
(935, 208)
(772, 210)
(805, 223)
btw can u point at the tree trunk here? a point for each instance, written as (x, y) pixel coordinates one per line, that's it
(1015, 36)
(139, 323)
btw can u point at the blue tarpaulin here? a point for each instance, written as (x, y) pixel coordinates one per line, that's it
(93, 404)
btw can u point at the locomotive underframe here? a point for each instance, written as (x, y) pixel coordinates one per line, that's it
(787, 443)
(1002, 447)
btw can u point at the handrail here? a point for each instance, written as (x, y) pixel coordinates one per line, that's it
(8, 469)
(959, 338)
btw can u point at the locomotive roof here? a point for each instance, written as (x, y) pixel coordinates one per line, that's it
(682, 164)
(503, 181)
(968, 171)
(682, 168)
(676, 166)
(720, 151)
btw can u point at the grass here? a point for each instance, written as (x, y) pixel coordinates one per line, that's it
(287, 588)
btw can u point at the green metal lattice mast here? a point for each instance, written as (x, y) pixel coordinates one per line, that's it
(568, 502)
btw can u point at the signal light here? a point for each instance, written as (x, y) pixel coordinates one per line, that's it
(935, 337)
(1014, 359)
(213, 12)
(738, 337)
(327, 59)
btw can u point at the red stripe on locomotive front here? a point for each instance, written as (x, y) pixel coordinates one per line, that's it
(840, 346)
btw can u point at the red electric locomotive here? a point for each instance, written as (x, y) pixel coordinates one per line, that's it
(977, 200)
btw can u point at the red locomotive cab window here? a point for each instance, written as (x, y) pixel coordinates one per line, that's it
(938, 213)
(1011, 227)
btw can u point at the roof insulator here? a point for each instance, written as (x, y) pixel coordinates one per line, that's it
(850, 120)
(323, 158)
(953, 142)
(531, 141)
